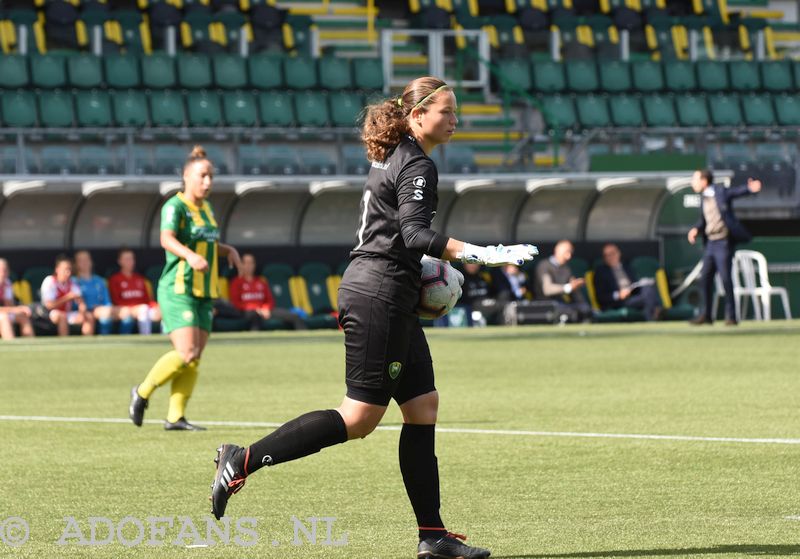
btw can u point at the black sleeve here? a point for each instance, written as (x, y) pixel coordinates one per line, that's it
(417, 199)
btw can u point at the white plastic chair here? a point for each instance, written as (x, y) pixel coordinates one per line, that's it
(751, 280)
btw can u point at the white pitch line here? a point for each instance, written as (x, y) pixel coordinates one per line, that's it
(505, 432)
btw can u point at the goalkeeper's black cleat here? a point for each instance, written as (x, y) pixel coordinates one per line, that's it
(448, 547)
(137, 407)
(229, 478)
(182, 425)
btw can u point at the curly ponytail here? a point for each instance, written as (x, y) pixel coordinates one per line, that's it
(386, 122)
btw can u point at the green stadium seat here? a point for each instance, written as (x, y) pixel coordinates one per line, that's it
(168, 159)
(679, 75)
(776, 75)
(48, 71)
(158, 71)
(316, 277)
(93, 108)
(318, 162)
(56, 109)
(129, 108)
(559, 112)
(692, 110)
(548, 76)
(276, 108)
(796, 71)
(96, 160)
(204, 108)
(311, 108)
(136, 38)
(57, 160)
(300, 72)
(122, 70)
(278, 276)
(355, 159)
(280, 160)
(615, 76)
(345, 108)
(460, 159)
(368, 73)
(19, 108)
(334, 73)
(712, 75)
(194, 71)
(648, 267)
(758, 110)
(167, 108)
(647, 76)
(626, 110)
(13, 71)
(659, 110)
(745, 75)
(725, 110)
(35, 276)
(593, 111)
(266, 71)
(85, 71)
(581, 75)
(787, 109)
(251, 160)
(218, 158)
(239, 109)
(141, 160)
(8, 160)
(515, 74)
(230, 71)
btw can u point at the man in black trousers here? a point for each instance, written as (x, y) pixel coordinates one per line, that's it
(721, 231)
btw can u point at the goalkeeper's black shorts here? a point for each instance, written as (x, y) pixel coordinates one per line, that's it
(386, 353)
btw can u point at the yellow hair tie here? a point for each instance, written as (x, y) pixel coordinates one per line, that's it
(400, 101)
(429, 95)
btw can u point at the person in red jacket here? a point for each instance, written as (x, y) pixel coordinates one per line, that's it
(251, 295)
(130, 297)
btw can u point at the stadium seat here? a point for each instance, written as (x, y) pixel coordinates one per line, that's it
(276, 108)
(130, 107)
(725, 110)
(334, 72)
(204, 108)
(168, 159)
(56, 109)
(300, 72)
(345, 108)
(122, 70)
(647, 76)
(559, 112)
(19, 108)
(581, 75)
(648, 267)
(515, 74)
(460, 159)
(679, 75)
(13, 71)
(85, 71)
(317, 162)
(745, 75)
(787, 109)
(278, 276)
(712, 76)
(266, 71)
(93, 108)
(153, 273)
(280, 160)
(96, 160)
(48, 71)
(593, 111)
(776, 75)
(615, 76)
(311, 108)
(659, 110)
(131, 34)
(167, 108)
(194, 71)
(758, 110)
(35, 276)
(8, 160)
(57, 160)
(626, 110)
(318, 300)
(230, 71)
(355, 159)
(548, 76)
(158, 71)
(239, 109)
(134, 160)
(692, 110)
(368, 73)
(251, 160)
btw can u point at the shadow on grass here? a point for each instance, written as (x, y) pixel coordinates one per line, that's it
(737, 550)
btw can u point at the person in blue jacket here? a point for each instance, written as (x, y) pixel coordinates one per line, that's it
(94, 292)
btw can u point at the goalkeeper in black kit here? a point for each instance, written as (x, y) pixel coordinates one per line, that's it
(387, 355)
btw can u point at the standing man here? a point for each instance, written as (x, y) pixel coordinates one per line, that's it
(720, 231)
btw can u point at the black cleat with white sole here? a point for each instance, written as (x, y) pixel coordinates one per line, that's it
(182, 425)
(448, 547)
(137, 407)
(229, 478)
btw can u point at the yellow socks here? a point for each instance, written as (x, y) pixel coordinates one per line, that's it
(168, 366)
(181, 391)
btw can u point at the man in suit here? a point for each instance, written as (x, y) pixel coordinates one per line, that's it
(721, 231)
(616, 286)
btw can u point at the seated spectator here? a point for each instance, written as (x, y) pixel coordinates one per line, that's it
(617, 287)
(252, 298)
(61, 296)
(94, 292)
(11, 313)
(129, 294)
(511, 283)
(480, 297)
(555, 281)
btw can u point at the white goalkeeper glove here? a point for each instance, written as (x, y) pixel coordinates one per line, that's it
(498, 255)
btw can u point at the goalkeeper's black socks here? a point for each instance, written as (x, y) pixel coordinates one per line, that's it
(420, 471)
(299, 437)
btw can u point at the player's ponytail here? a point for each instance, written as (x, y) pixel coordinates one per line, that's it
(386, 122)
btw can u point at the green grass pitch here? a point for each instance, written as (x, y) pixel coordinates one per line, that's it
(519, 475)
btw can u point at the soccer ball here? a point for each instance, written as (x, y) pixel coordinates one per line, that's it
(441, 288)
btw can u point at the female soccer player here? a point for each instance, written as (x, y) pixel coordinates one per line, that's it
(387, 355)
(186, 290)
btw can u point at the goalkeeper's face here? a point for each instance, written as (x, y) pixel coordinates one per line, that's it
(197, 178)
(437, 123)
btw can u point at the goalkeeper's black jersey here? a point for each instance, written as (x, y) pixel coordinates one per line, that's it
(393, 233)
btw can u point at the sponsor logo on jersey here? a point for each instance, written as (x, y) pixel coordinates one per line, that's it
(419, 182)
(382, 166)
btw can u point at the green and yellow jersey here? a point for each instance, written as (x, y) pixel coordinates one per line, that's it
(196, 228)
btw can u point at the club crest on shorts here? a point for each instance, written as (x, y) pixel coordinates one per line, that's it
(394, 369)
(419, 182)
(187, 315)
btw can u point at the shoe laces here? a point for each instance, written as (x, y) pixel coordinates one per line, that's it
(453, 535)
(236, 484)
